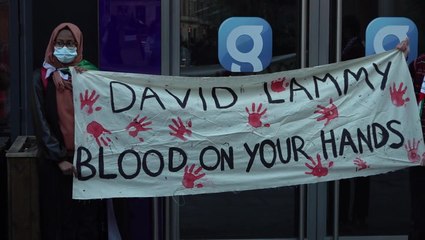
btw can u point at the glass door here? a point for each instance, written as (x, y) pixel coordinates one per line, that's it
(260, 214)
(375, 207)
(4, 111)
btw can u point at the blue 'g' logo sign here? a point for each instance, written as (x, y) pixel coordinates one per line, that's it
(384, 33)
(245, 44)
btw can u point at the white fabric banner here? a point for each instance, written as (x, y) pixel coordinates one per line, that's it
(147, 136)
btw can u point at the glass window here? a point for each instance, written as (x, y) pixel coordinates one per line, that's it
(268, 213)
(4, 111)
(130, 41)
(4, 67)
(200, 22)
(130, 36)
(376, 205)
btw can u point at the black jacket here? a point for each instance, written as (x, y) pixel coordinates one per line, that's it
(46, 120)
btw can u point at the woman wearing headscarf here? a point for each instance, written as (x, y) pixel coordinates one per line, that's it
(62, 218)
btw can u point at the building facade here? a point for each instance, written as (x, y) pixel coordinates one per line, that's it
(180, 38)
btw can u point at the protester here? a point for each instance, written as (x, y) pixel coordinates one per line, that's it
(62, 218)
(417, 174)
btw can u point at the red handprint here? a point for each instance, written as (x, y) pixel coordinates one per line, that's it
(412, 150)
(98, 132)
(360, 164)
(328, 113)
(254, 118)
(190, 177)
(397, 95)
(89, 101)
(279, 85)
(179, 129)
(317, 169)
(136, 126)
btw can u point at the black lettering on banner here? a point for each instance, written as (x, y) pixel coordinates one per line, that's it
(145, 164)
(227, 157)
(374, 137)
(202, 160)
(102, 167)
(300, 88)
(357, 77)
(327, 76)
(269, 97)
(216, 99)
(379, 130)
(204, 103)
(331, 141)
(346, 140)
(84, 163)
(180, 102)
(288, 151)
(298, 149)
(294, 144)
(171, 155)
(383, 74)
(133, 97)
(396, 132)
(220, 158)
(152, 95)
(262, 150)
(121, 164)
(364, 139)
(251, 154)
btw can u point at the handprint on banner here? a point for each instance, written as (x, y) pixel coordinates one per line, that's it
(360, 164)
(89, 101)
(180, 129)
(412, 150)
(191, 176)
(328, 113)
(397, 95)
(279, 85)
(254, 118)
(98, 132)
(136, 126)
(317, 169)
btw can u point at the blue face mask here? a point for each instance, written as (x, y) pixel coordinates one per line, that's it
(65, 54)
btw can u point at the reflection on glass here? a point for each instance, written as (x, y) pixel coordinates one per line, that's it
(377, 205)
(130, 36)
(130, 41)
(200, 22)
(354, 193)
(374, 206)
(4, 68)
(4, 112)
(268, 213)
(261, 214)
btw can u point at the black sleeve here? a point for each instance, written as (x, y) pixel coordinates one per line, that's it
(48, 142)
(416, 69)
